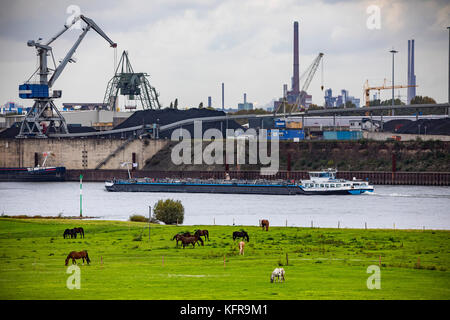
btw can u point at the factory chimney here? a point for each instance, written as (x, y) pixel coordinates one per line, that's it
(411, 91)
(245, 98)
(223, 96)
(413, 75)
(296, 74)
(408, 90)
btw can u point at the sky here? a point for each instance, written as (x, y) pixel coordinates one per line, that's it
(189, 47)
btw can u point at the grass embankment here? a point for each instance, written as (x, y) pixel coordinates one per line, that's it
(362, 155)
(323, 263)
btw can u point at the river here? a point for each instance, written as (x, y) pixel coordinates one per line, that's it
(408, 207)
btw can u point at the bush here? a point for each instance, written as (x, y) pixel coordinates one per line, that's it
(169, 211)
(138, 218)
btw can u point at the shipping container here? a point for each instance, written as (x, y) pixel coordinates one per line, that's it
(342, 135)
(286, 135)
(294, 125)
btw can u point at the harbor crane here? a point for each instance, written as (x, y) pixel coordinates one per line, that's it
(132, 85)
(309, 73)
(44, 117)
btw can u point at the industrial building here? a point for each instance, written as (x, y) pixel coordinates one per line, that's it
(246, 105)
(340, 100)
(299, 98)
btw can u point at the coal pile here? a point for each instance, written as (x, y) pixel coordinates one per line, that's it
(395, 125)
(422, 126)
(167, 116)
(13, 131)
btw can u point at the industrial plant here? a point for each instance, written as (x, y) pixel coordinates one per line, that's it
(103, 135)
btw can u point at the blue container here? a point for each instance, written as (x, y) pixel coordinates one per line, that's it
(286, 135)
(342, 135)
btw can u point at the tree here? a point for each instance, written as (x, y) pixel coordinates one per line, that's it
(169, 211)
(422, 100)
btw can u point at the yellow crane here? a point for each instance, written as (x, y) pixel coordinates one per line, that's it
(379, 88)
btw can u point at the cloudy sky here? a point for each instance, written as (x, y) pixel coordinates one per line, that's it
(189, 47)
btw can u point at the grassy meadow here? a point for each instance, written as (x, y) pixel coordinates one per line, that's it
(322, 263)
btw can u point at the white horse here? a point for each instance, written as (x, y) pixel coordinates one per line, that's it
(241, 247)
(278, 273)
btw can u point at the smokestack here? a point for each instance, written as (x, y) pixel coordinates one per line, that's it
(285, 86)
(245, 98)
(223, 96)
(408, 90)
(209, 102)
(413, 76)
(296, 75)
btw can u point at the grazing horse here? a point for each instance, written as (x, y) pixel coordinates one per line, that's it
(70, 233)
(67, 233)
(204, 233)
(179, 235)
(78, 255)
(264, 224)
(241, 234)
(78, 230)
(278, 273)
(191, 240)
(241, 247)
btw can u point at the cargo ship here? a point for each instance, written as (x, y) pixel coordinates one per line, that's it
(33, 174)
(320, 183)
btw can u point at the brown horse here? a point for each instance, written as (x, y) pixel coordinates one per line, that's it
(264, 224)
(178, 236)
(78, 255)
(204, 233)
(79, 230)
(191, 240)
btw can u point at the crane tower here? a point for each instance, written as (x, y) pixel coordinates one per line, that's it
(44, 117)
(133, 85)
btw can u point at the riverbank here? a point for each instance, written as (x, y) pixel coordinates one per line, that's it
(125, 264)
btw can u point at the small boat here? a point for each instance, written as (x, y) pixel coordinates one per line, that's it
(320, 182)
(33, 174)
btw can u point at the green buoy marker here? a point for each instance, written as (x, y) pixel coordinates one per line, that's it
(81, 195)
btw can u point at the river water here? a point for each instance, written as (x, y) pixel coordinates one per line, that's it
(408, 207)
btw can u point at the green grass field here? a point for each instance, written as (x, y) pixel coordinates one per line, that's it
(323, 263)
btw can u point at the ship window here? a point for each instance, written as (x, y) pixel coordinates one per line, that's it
(338, 186)
(321, 185)
(327, 186)
(332, 185)
(317, 185)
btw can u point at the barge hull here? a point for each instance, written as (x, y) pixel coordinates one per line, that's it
(224, 189)
(25, 175)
